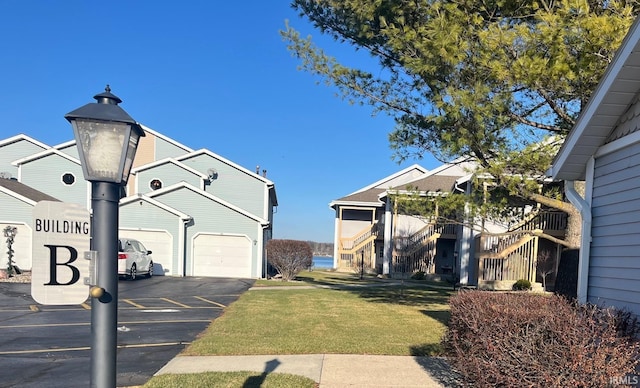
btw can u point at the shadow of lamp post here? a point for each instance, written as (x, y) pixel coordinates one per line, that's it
(10, 233)
(107, 139)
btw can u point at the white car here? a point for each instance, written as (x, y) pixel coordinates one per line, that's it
(133, 259)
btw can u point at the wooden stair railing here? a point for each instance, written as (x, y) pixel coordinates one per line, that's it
(551, 222)
(513, 255)
(507, 257)
(418, 251)
(360, 249)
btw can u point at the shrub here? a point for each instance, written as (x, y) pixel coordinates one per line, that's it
(418, 276)
(523, 339)
(289, 257)
(522, 285)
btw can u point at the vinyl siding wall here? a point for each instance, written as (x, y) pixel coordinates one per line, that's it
(14, 210)
(242, 189)
(165, 149)
(71, 150)
(45, 174)
(143, 215)
(211, 217)
(14, 151)
(168, 174)
(614, 275)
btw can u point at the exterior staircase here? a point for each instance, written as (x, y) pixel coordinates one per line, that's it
(418, 251)
(359, 250)
(504, 258)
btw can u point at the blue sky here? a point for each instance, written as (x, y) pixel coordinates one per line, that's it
(209, 74)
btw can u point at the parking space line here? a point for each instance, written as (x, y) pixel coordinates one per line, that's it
(210, 301)
(145, 322)
(46, 325)
(58, 350)
(85, 306)
(34, 308)
(134, 304)
(176, 303)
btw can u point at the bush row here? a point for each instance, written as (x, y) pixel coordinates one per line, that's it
(524, 339)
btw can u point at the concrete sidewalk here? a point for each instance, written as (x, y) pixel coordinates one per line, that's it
(330, 370)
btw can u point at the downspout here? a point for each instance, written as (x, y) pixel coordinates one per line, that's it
(584, 207)
(388, 220)
(261, 245)
(182, 257)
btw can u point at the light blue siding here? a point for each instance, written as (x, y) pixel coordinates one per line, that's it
(71, 150)
(211, 217)
(45, 174)
(15, 210)
(168, 174)
(614, 266)
(243, 189)
(165, 149)
(14, 151)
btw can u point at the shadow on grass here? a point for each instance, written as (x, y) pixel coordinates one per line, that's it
(440, 370)
(402, 295)
(441, 316)
(256, 381)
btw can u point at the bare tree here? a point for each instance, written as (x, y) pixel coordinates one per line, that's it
(545, 265)
(289, 257)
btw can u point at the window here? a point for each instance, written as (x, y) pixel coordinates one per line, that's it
(155, 184)
(68, 179)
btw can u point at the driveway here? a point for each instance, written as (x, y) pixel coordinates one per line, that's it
(50, 345)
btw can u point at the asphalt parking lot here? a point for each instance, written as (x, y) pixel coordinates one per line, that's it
(157, 317)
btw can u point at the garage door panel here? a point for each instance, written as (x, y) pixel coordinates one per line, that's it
(222, 256)
(160, 243)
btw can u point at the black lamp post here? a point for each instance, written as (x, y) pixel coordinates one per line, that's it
(107, 139)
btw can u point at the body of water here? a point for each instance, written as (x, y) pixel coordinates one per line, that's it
(322, 262)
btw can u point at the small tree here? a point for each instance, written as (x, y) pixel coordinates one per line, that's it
(10, 233)
(546, 266)
(289, 257)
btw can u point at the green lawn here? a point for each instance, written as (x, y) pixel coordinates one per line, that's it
(369, 316)
(230, 380)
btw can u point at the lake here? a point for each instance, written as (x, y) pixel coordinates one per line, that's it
(322, 262)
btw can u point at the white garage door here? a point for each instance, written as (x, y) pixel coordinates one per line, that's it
(21, 247)
(222, 256)
(160, 243)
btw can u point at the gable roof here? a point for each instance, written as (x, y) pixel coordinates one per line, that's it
(186, 186)
(432, 183)
(616, 91)
(146, 198)
(361, 198)
(414, 167)
(204, 151)
(66, 144)
(173, 161)
(72, 142)
(17, 138)
(23, 192)
(165, 138)
(43, 154)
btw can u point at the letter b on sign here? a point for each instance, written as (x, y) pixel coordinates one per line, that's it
(58, 267)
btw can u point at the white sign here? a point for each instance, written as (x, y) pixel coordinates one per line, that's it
(61, 235)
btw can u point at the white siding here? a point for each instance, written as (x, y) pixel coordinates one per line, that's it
(614, 276)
